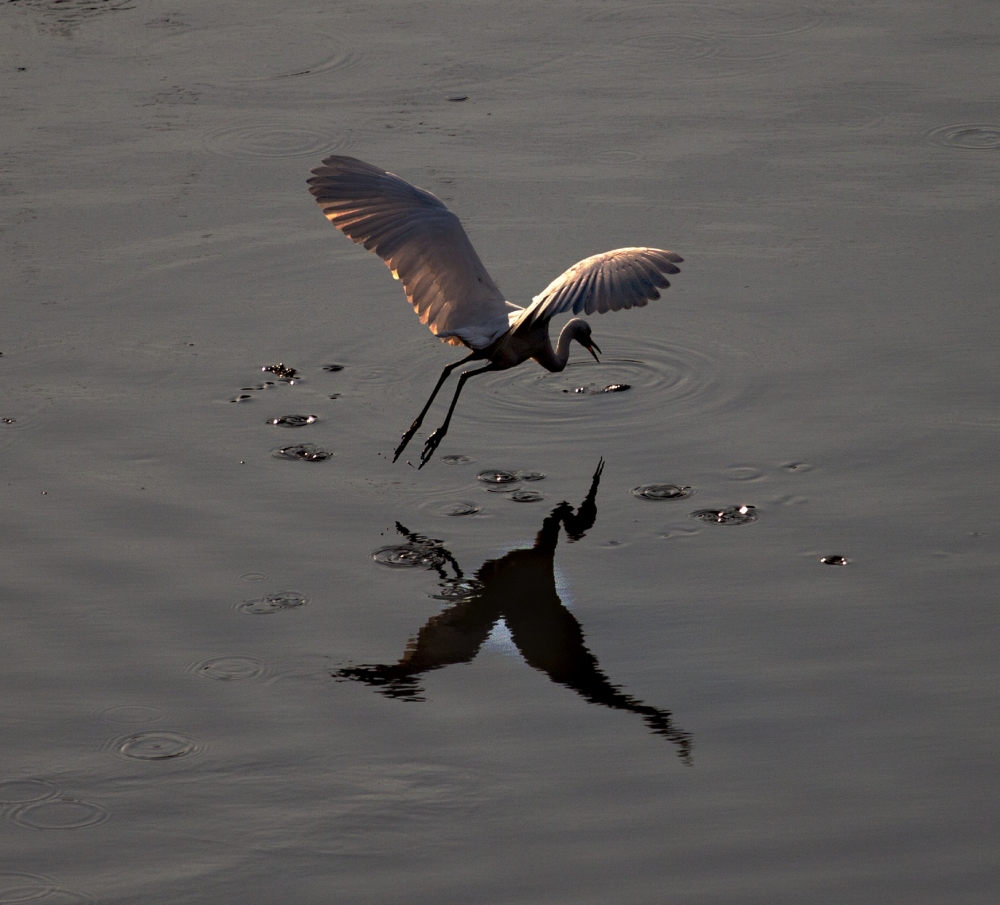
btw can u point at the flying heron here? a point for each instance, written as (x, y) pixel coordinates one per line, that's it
(424, 245)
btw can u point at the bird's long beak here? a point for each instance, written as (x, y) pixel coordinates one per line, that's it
(593, 349)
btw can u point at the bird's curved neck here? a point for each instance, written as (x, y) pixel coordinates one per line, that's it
(555, 359)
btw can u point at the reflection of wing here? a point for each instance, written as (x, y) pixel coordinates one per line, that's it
(422, 243)
(623, 278)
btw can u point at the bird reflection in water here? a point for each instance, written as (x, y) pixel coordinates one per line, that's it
(520, 589)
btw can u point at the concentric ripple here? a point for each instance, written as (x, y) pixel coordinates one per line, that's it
(17, 888)
(278, 602)
(967, 136)
(60, 814)
(731, 515)
(273, 138)
(456, 509)
(130, 713)
(665, 380)
(525, 496)
(662, 491)
(762, 18)
(22, 791)
(228, 669)
(253, 52)
(158, 745)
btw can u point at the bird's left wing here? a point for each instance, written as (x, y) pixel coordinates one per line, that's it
(421, 242)
(623, 278)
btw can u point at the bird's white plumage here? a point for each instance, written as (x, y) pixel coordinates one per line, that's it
(423, 244)
(611, 281)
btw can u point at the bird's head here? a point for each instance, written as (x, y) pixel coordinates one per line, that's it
(581, 333)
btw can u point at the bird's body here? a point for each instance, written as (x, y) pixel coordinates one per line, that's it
(424, 245)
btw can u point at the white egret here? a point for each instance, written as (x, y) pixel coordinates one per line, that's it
(424, 245)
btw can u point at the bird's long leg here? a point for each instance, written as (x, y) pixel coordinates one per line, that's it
(435, 438)
(413, 428)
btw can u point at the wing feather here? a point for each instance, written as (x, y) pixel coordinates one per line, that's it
(622, 278)
(422, 243)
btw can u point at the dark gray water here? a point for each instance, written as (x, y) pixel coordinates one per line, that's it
(795, 706)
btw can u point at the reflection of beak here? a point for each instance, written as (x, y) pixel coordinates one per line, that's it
(593, 349)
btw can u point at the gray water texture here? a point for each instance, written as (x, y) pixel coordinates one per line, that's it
(232, 676)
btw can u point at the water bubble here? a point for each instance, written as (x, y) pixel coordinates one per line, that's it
(60, 814)
(333, 368)
(9, 420)
(229, 669)
(411, 556)
(455, 460)
(293, 420)
(277, 602)
(492, 476)
(160, 745)
(243, 397)
(732, 515)
(458, 589)
(530, 475)
(22, 791)
(525, 496)
(305, 452)
(661, 491)
(834, 560)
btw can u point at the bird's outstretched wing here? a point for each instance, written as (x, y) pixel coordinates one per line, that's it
(422, 243)
(623, 278)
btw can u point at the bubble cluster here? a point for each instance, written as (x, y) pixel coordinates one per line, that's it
(277, 602)
(293, 420)
(411, 556)
(731, 515)
(458, 589)
(303, 452)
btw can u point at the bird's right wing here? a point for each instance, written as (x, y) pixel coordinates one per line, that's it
(422, 243)
(623, 278)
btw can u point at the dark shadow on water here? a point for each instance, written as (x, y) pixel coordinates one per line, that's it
(519, 588)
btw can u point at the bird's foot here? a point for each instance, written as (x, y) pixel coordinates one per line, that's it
(407, 437)
(431, 444)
